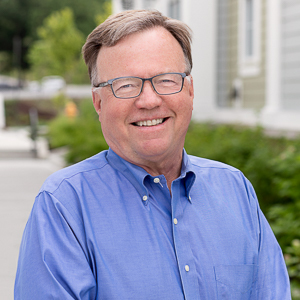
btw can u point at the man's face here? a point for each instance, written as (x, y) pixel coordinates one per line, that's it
(144, 54)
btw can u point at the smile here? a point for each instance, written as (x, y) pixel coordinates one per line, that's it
(149, 122)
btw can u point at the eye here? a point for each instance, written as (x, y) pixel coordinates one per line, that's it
(165, 81)
(123, 85)
(127, 86)
(168, 81)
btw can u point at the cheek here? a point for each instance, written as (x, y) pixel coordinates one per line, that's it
(112, 117)
(184, 116)
(108, 111)
(107, 118)
(185, 109)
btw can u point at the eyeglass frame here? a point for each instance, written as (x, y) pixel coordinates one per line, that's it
(110, 81)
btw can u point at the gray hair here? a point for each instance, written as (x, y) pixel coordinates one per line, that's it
(117, 27)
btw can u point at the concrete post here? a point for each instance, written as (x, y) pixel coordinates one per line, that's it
(2, 112)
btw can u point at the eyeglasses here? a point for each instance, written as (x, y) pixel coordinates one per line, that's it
(131, 87)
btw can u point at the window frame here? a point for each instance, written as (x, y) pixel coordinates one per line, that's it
(249, 61)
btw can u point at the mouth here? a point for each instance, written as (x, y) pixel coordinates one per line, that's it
(149, 123)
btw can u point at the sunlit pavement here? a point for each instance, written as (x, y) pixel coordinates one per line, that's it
(20, 180)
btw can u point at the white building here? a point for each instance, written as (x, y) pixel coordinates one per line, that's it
(246, 57)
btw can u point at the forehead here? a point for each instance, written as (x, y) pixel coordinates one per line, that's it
(151, 51)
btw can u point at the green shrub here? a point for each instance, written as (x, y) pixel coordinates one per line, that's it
(82, 134)
(285, 216)
(292, 258)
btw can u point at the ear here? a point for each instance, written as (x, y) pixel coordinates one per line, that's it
(97, 102)
(191, 87)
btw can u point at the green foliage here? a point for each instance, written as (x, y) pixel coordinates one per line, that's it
(59, 101)
(81, 134)
(5, 62)
(287, 167)
(292, 259)
(57, 52)
(22, 17)
(285, 216)
(106, 11)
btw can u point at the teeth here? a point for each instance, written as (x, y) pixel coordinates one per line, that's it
(149, 122)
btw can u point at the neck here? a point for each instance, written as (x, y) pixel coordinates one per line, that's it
(167, 164)
(169, 168)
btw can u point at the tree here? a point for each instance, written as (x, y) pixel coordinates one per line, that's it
(20, 18)
(58, 49)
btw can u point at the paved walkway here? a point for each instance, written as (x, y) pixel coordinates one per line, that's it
(21, 177)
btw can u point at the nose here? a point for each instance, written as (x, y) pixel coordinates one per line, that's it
(148, 98)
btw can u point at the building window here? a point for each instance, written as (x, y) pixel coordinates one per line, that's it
(249, 37)
(127, 4)
(249, 28)
(174, 9)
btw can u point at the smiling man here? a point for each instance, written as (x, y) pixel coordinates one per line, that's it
(144, 220)
(145, 122)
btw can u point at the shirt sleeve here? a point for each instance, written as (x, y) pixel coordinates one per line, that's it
(272, 277)
(53, 260)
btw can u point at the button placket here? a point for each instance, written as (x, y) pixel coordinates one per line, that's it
(183, 250)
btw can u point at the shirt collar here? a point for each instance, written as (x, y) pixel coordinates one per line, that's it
(136, 175)
(187, 174)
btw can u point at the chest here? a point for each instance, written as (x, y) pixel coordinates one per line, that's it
(167, 249)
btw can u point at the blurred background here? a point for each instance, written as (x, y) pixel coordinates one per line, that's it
(246, 112)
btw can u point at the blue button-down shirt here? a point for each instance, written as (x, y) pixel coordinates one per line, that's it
(106, 229)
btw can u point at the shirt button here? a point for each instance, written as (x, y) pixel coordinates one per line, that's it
(156, 180)
(187, 268)
(175, 221)
(145, 198)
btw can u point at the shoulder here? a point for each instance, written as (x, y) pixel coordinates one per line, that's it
(220, 176)
(72, 173)
(200, 163)
(214, 171)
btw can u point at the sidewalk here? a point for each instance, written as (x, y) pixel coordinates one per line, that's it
(16, 143)
(21, 177)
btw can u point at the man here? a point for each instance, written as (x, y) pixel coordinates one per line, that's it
(144, 220)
